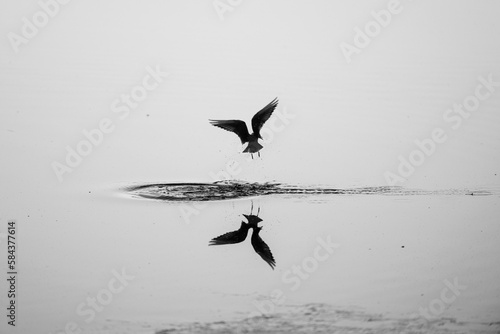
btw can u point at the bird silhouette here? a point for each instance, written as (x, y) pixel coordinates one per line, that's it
(262, 248)
(240, 127)
(232, 237)
(252, 219)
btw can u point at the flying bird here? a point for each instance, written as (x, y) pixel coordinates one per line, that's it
(240, 127)
(262, 248)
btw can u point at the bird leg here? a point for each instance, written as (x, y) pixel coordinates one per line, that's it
(258, 153)
(251, 209)
(251, 155)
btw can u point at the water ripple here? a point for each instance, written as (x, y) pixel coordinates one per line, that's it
(224, 190)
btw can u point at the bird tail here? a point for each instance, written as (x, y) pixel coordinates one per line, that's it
(253, 147)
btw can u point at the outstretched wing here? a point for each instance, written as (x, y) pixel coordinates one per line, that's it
(233, 125)
(232, 237)
(262, 248)
(262, 116)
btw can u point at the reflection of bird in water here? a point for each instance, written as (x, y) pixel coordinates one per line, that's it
(253, 220)
(240, 128)
(240, 235)
(233, 237)
(262, 248)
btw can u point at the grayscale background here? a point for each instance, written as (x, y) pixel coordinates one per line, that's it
(349, 122)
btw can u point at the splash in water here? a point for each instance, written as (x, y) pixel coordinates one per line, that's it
(224, 190)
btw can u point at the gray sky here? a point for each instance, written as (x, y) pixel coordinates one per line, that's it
(352, 121)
